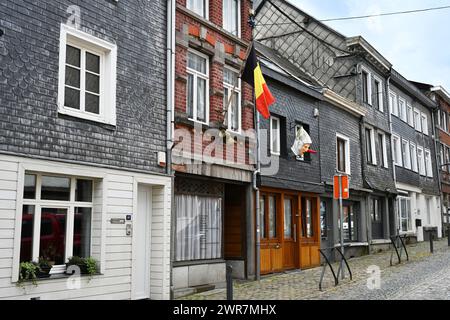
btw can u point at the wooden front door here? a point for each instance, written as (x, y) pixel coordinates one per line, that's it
(270, 229)
(310, 232)
(290, 231)
(290, 234)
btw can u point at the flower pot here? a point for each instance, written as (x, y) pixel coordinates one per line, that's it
(83, 268)
(45, 273)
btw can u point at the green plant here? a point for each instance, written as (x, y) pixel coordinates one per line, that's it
(91, 265)
(28, 272)
(75, 260)
(86, 265)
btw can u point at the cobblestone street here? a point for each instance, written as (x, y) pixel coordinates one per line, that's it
(424, 276)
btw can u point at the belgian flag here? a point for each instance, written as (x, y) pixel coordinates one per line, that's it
(252, 74)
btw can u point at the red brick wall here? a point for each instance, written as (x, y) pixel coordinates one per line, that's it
(214, 36)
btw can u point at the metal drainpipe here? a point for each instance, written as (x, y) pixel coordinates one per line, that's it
(171, 14)
(258, 218)
(394, 174)
(436, 143)
(390, 127)
(362, 134)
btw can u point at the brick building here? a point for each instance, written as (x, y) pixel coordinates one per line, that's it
(82, 121)
(211, 158)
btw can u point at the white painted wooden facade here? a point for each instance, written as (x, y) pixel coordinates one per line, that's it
(426, 208)
(115, 195)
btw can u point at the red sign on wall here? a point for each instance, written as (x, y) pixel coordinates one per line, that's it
(345, 189)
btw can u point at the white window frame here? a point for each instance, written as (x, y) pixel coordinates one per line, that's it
(108, 64)
(196, 10)
(372, 146)
(196, 74)
(442, 157)
(384, 148)
(424, 123)
(428, 163)
(69, 205)
(393, 103)
(275, 151)
(396, 143)
(406, 154)
(369, 85)
(380, 94)
(414, 166)
(445, 116)
(417, 120)
(402, 110)
(231, 90)
(347, 153)
(409, 214)
(421, 161)
(238, 34)
(410, 114)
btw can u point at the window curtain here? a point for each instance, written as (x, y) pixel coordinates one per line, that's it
(199, 228)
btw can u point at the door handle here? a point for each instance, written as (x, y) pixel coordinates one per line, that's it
(295, 232)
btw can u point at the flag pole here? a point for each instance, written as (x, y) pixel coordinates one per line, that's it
(239, 76)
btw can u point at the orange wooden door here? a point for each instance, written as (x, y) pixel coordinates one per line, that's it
(290, 233)
(310, 232)
(271, 229)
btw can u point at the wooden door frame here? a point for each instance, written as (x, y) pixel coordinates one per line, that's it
(297, 197)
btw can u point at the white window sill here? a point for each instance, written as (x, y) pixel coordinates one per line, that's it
(199, 122)
(85, 116)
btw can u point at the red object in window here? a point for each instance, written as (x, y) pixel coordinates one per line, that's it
(312, 151)
(345, 189)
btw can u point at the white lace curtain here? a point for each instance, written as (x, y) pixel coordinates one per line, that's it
(199, 228)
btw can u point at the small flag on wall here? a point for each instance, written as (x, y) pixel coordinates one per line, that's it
(252, 74)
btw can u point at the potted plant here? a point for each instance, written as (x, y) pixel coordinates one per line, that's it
(77, 261)
(45, 267)
(91, 265)
(28, 272)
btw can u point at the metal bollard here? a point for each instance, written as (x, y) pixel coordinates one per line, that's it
(431, 241)
(229, 283)
(448, 234)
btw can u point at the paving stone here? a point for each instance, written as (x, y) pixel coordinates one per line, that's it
(424, 276)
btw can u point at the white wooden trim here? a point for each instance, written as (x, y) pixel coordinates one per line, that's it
(108, 73)
(417, 124)
(421, 163)
(133, 240)
(272, 151)
(424, 128)
(407, 151)
(393, 103)
(373, 146)
(239, 24)
(403, 114)
(18, 223)
(369, 84)
(347, 153)
(385, 152)
(231, 90)
(414, 164)
(205, 76)
(410, 115)
(397, 155)
(380, 94)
